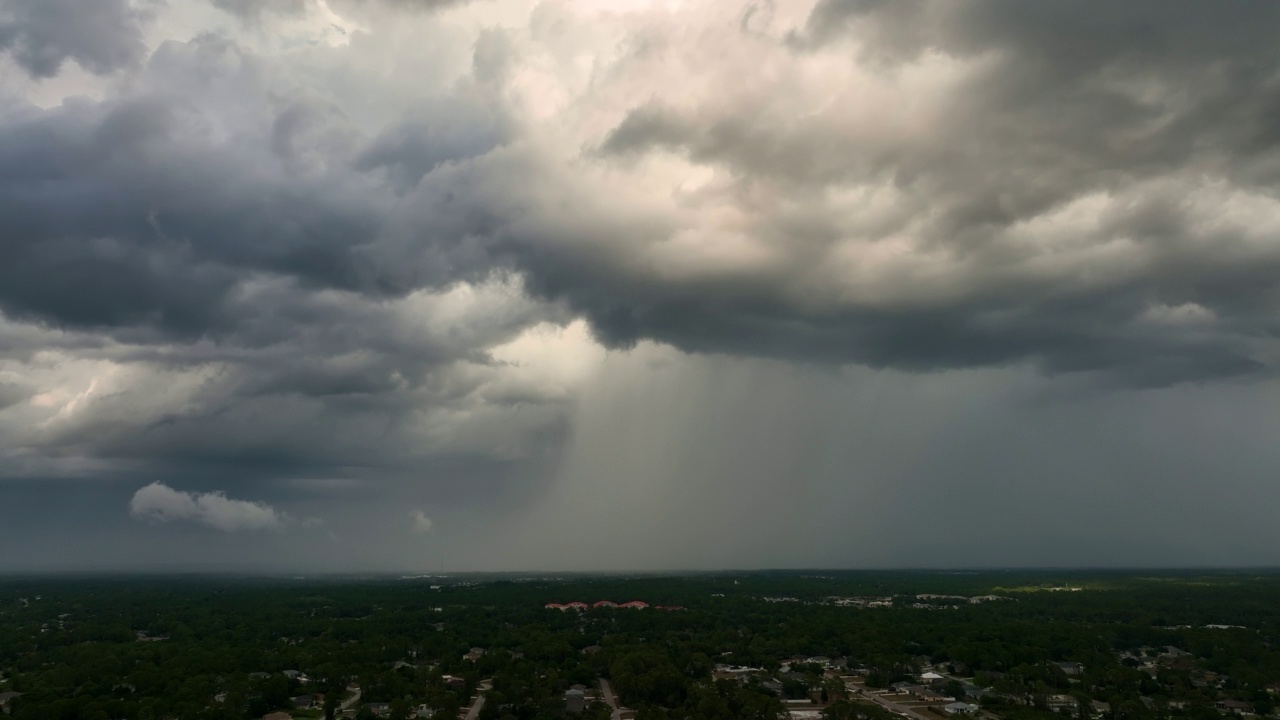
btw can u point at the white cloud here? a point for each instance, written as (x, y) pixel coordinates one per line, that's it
(1186, 314)
(160, 503)
(420, 524)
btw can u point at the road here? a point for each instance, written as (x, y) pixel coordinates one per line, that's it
(351, 701)
(474, 711)
(610, 698)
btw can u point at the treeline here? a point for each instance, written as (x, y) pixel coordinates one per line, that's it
(198, 648)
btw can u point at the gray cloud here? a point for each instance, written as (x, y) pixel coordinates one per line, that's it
(255, 8)
(12, 394)
(100, 36)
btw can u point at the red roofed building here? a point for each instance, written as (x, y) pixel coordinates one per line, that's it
(578, 605)
(605, 603)
(637, 604)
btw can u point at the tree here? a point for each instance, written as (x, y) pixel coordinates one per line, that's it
(332, 701)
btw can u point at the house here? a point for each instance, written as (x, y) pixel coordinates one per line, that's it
(1062, 702)
(575, 701)
(1239, 707)
(926, 694)
(6, 698)
(929, 677)
(591, 649)
(424, 711)
(304, 702)
(453, 682)
(1014, 698)
(380, 709)
(1071, 668)
(277, 716)
(474, 654)
(960, 708)
(1097, 707)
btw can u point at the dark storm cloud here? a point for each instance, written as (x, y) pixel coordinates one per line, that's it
(134, 212)
(101, 36)
(139, 211)
(272, 256)
(226, 242)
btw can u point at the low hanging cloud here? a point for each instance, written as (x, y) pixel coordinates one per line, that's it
(420, 524)
(158, 502)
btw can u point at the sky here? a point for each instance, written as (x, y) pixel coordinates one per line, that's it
(432, 286)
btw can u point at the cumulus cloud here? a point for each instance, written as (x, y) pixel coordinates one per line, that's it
(160, 503)
(419, 523)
